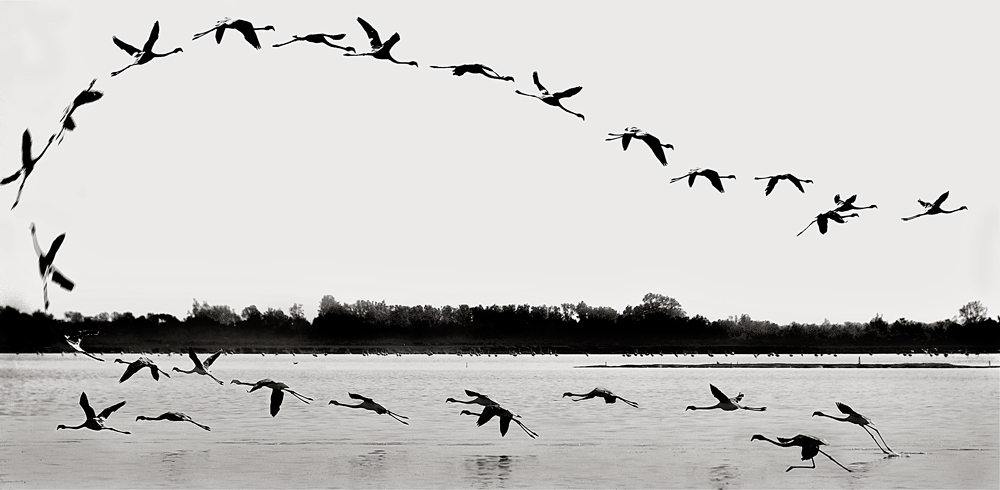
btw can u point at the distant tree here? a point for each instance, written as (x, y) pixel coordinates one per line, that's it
(657, 304)
(328, 304)
(126, 317)
(220, 314)
(74, 316)
(972, 312)
(250, 313)
(102, 317)
(296, 312)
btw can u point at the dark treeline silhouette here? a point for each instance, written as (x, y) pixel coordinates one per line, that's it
(657, 325)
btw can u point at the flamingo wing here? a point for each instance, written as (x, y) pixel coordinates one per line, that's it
(504, 425)
(132, 368)
(126, 47)
(770, 185)
(474, 394)
(194, 357)
(26, 160)
(691, 177)
(541, 88)
(373, 38)
(154, 34)
(850, 200)
(211, 359)
(220, 30)
(567, 93)
(335, 37)
(821, 223)
(654, 144)
(34, 240)
(276, 397)
(86, 406)
(110, 410)
(941, 199)
(846, 409)
(246, 28)
(488, 413)
(797, 183)
(55, 247)
(626, 139)
(359, 397)
(719, 395)
(393, 39)
(713, 177)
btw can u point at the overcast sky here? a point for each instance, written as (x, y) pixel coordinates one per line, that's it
(278, 176)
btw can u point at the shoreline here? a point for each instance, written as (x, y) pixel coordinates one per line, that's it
(932, 365)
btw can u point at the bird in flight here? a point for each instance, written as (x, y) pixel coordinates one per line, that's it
(27, 164)
(856, 418)
(45, 268)
(85, 97)
(555, 99)
(822, 220)
(95, 421)
(652, 141)
(505, 417)
(379, 50)
(848, 204)
(459, 70)
(278, 390)
(369, 404)
(319, 38)
(478, 399)
(708, 173)
(199, 367)
(608, 396)
(935, 207)
(144, 55)
(809, 444)
(726, 403)
(136, 365)
(173, 417)
(243, 26)
(772, 180)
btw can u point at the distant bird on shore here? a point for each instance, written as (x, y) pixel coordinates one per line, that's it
(45, 268)
(379, 50)
(725, 403)
(199, 367)
(848, 204)
(708, 173)
(278, 390)
(27, 164)
(85, 97)
(243, 26)
(505, 417)
(652, 141)
(856, 418)
(822, 219)
(136, 365)
(555, 99)
(476, 68)
(935, 207)
(319, 38)
(608, 396)
(144, 55)
(95, 421)
(369, 404)
(809, 444)
(173, 417)
(74, 340)
(772, 180)
(479, 399)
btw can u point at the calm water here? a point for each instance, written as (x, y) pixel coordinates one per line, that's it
(944, 422)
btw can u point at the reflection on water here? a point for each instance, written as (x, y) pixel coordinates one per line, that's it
(723, 475)
(488, 471)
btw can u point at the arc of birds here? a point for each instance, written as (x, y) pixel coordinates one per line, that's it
(380, 50)
(27, 164)
(708, 173)
(604, 393)
(809, 444)
(173, 417)
(934, 208)
(95, 421)
(369, 404)
(136, 365)
(652, 141)
(45, 268)
(199, 367)
(144, 55)
(858, 419)
(772, 180)
(278, 390)
(725, 403)
(555, 99)
(505, 416)
(318, 38)
(242, 26)
(475, 68)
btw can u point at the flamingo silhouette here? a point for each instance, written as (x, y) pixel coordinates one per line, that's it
(652, 141)
(608, 396)
(772, 180)
(708, 173)
(95, 421)
(505, 417)
(725, 403)
(935, 207)
(278, 390)
(822, 219)
(848, 204)
(173, 417)
(27, 164)
(809, 444)
(45, 267)
(243, 26)
(319, 38)
(136, 365)
(479, 399)
(199, 367)
(369, 404)
(555, 99)
(379, 50)
(476, 68)
(74, 340)
(144, 55)
(85, 97)
(856, 418)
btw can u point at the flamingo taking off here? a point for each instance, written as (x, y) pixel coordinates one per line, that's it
(278, 390)
(476, 68)
(45, 267)
(856, 418)
(369, 404)
(505, 416)
(479, 399)
(85, 97)
(935, 207)
(555, 99)
(772, 181)
(608, 396)
(809, 444)
(652, 141)
(95, 421)
(74, 341)
(27, 164)
(708, 173)
(846, 205)
(822, 220)
(144, 55)
(199, 367)
(173, 417)
(379, 50)
(319, 38)
(726, 403)
(136, 365)
(243, 26)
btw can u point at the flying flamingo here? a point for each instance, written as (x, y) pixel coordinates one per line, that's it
(85, 97)
(725, 403)
(95, 421)
(772, 181)
(822, 219)
(243, 26)
(708, 173)
(379, 50)
(479, 399)
(856, 418)
(652, 141)
(278, 390)
(459, 70)
(74, 341)
(27, 163)
(935, 207)
(173, 417)
(369, 404)
(553, 99)
(608, 396)
(505, 416)
(144, 55)
(45, 267)
(200, 368)
(809, 444)
(136, 365)
(319, 38)
(848, 204)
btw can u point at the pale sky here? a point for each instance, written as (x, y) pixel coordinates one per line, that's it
(278, 176)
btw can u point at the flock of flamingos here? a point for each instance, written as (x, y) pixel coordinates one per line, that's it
(810, 446)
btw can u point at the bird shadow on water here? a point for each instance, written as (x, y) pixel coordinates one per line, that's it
(489, 471)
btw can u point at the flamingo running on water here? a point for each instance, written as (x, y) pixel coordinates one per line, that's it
(809, 444)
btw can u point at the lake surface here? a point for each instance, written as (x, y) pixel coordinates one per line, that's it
(945, 423)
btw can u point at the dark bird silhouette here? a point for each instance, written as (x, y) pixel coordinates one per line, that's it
(555, 99)
(199, 367)
(809, 444)
(935, 207)
(173, 417)
(652, 141)
(379, 50)
(479, 399)
(773, 181)
(244, 27)
(726, 403)
(822, 219)
(144, 55)
(848, 204)
(278, 390)
(505, 416)
(476, 68)
(608, 396)
(27, 164)
(319, 38)
(856, 418)
(369, 404)
(708, 173)
(85, 97)
(136, 365)
(45, 268)
(95, 421)
(74, 340)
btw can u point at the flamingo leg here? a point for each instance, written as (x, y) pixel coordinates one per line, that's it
(813, 460)
(834, 460)
(528, 431)
(217, 380)
(880, 437)
(397, 417)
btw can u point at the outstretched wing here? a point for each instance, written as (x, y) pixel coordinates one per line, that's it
(86, 406)
(821, 223)
(941, 199)
(51, 256)
(797, 183)
(850, 200)
(504, 425)
(716, 181)
(154, 34)
(212, 358)
(393, 39)
(773, 181)
(654, 144)
(541, 88)
(126, 47)
(488, 413)
(473, 393)
(34, 241)
(194, 357)
(110, 410)
(567, 93)
(846, 409)
(26, 148)
(359, 397)
(130, 370)
(335, 37)
(61, 280)
(718, 394)
(373, 38)
(276, 397)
